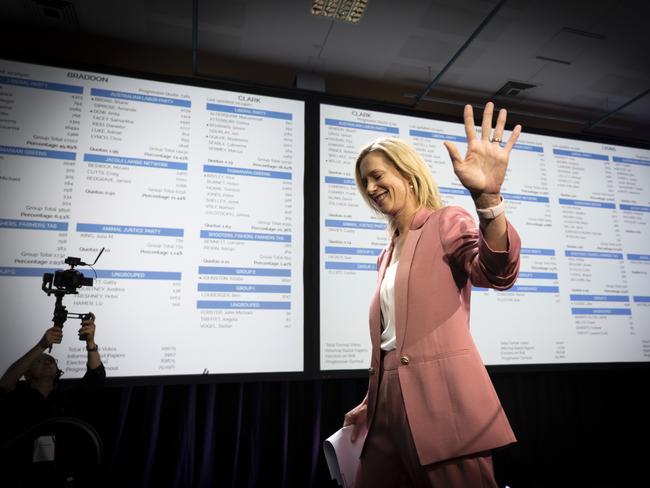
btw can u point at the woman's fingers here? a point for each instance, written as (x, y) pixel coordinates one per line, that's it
(468, 117)
(454, 154)
(500, 126)
(348, 419)
(486, 126)
(513, 138)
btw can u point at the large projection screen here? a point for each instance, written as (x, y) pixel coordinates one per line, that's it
(582, 210)
(196, 194)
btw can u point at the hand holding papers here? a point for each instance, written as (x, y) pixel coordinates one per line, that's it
(342, 454)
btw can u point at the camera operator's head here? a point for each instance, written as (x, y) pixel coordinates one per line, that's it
(44, 368)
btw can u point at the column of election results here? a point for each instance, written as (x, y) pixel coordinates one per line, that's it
(592, 263)
(351, 236)
(250, 261)
(533, 330)
(133, 201)
(39, 134)
(496, 316)
(632, 176)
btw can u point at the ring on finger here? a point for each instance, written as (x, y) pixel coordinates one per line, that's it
(496, 139)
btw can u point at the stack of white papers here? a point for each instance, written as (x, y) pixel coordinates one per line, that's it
(342, 455)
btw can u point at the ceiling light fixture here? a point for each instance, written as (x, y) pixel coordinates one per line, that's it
(345, 10)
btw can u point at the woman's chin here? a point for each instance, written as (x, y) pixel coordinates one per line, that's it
(381, 208)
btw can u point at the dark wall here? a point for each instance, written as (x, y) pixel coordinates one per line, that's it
(575, 428)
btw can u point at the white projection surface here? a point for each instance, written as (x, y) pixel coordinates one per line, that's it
(582, 210)
(196, 194)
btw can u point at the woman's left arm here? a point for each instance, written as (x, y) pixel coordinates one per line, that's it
(483, 170)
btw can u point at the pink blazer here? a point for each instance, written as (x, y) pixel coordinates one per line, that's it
(450, 402)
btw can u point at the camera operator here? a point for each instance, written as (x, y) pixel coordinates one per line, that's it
(25, 404)
(41, 371)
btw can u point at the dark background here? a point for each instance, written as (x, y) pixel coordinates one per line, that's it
(575, 429)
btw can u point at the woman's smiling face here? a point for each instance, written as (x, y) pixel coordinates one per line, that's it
(385, 185)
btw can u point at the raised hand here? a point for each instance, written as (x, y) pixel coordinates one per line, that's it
(484, 166)
(87, 330)
(53, 335)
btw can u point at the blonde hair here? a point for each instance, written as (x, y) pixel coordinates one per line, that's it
(410, 165)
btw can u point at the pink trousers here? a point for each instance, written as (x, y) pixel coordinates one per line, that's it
(390, 459)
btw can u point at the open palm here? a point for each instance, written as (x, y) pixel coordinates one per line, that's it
(484, 166)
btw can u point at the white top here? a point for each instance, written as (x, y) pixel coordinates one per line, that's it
(387, 302)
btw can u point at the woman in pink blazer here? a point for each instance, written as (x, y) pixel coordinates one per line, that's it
(432, 414)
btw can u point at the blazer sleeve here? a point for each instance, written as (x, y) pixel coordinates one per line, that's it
(466, 249)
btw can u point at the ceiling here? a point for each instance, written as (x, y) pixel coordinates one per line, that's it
(588, 61)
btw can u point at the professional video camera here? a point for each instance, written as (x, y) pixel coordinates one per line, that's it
(64, 282)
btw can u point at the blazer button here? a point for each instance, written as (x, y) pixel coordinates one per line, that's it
(404, 360)
(371, 370)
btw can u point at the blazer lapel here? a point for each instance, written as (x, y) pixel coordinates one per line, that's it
(403, 273)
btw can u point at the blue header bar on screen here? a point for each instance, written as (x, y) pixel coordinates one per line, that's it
(127, 274)
(354, 224)
(533, 251)
(361, 125)
(244, 236)
(130, 229)
(33, 225)
(242, 305)
(37, 153)
(601, 311)
(338, 180)
(537, 275)
(248, 288)
(253, 112)
(642, 162)
(140, 97)
(350, 266)
(586, 203)
(260, 173)
(437, 135)
(446, 190)
(231, 271)
(41, 85)
(353, 251)
(145, 163)
(578, 154)
(599, 298)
